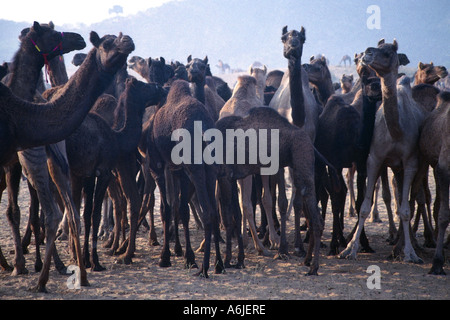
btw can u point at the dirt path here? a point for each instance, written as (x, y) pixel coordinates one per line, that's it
(263, 278)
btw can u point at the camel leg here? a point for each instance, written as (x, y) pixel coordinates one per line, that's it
(373, 168)
(386, 194)
(442, 179)
(130, 189)
(34, 227)
(245, 185)
(62, 181)
(350, 178)
(88, 190)
(410, 169)
(13, 175)
(374, 214)
(267, 203)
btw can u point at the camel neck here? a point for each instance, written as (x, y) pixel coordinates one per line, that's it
(325, 89)
(296, 90)
(57, 71)
(369, 110)
(25, 72)
(390, 104)
(128, 121)
(199, 90)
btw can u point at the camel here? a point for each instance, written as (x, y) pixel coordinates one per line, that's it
(346, 83)
(179, 112)
(434, 147)
(94, 149)
(260, 74)
(343, 138)
(36, 50)
(295, 150)
(344, 60)
(394, 142)
(152, 70)
(320, 78)
(223, 67)
(273, 81)
(196, 69)
(294, 100)
(429, 73)
(93, 83)
(245, 98)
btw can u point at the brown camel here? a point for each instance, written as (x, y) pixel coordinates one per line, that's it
(295, 150)
(36, 50)
(395, 139)
(152, 70)
(197, 76)
(94, 149)
(179, 112)
(273, 81)
(320, 78)
(346, 83)
(243, 99)
(429, 73)
(344, 59)
(260, 74)
(434, 146)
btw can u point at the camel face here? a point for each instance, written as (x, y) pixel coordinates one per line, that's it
(78, 59)
(150, 93)
(384, 58)
(346, 82)
(293, 43)
(50, 42)
(429, 73)
(112, 51)
(316, 69)
(372, 88)
(196, 69)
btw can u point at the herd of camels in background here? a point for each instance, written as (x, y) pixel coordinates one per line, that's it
(116, 144)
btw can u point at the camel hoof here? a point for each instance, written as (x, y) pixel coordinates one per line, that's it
(164, 264)
(98, 268)
(39, 289)
(19, 270)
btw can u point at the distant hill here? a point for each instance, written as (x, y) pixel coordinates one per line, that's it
(242, 32)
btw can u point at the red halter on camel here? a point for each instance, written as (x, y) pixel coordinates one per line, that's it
(47, 67)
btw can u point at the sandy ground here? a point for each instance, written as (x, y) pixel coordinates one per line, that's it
(263, 278)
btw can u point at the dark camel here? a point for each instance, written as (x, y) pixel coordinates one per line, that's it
(434, 146)
(179, 112)
(320, 78)
(94, 149)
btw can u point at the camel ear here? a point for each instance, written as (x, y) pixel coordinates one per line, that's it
(311, 58)
(51, 25)
(402, 59)
(351, 77)
(205, 60)
(162, 60)
(265, 69)
(302, 31)
(149, 61)
(380, 42)
(395, 43)
(189, 59)
(37, 27)
(431, 62)
(95, 39)
(284, 31)
(324, 60)
(420, 66)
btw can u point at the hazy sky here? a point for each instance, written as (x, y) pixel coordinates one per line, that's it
(70, 12)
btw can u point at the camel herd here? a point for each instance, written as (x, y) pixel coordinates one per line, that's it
(102, 137)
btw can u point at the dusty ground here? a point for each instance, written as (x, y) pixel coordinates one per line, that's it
(263, 278)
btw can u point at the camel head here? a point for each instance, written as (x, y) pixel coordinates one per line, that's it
(384, 59)
(372, 87)
(196, 69)
(4, 69)
(429, 73)
(293, 43)
(159, 72)
(112, 51)
(148, 94)
(346, 82)
(50, 43)
(180, 71)
(78, 59)
(317, 70)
